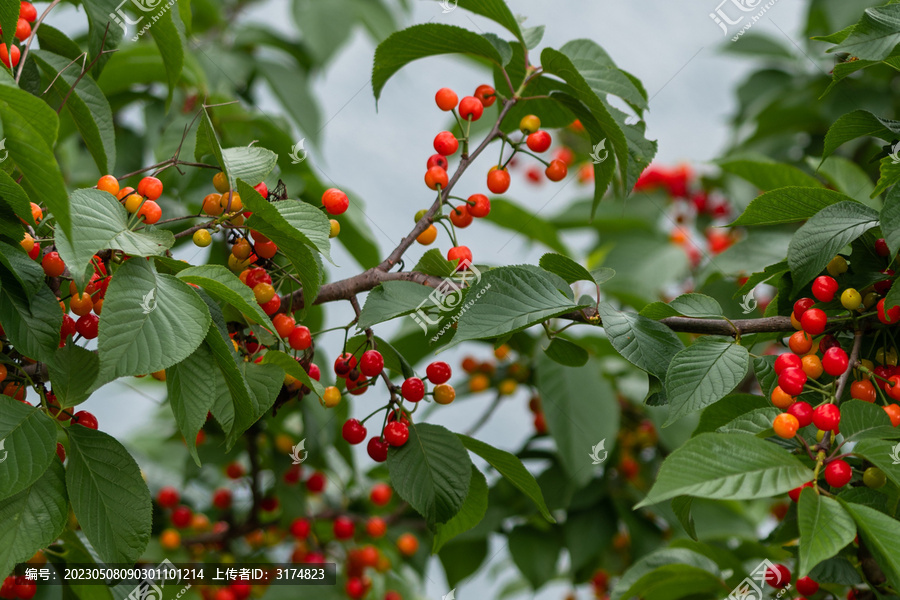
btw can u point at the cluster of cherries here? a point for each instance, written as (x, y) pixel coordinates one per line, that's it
(10, 54)
(141, 201)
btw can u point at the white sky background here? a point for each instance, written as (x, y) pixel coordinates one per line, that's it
(672, 47)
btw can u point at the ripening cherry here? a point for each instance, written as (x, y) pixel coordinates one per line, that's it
(438, 372)
(874, 478)
(353, 431)
(802, 411)
(863, 390)
(445, 143)
(27, 11)
(446, 99)
(888, 317)
(23, 30)
(376, 527)
(371, 363)
(343, 364)
(539, 141)
(284, 324)
(436, 177)
(794, 494)
(806, 586)
(461, 254)
(88, 326)
(479, 205)
(881, 247)
(335, 201)
(781, 399)
(408, 544)
(800, 342)
(9, 55)
(168, 497)
(792, 381)
(498, 180)
(785, 425)
(377, 449)
(884, 285)
(265, 249)
(470, 108)
(851, 299)
(413, 389)
(486, 94)
(827, 417)
(437, 160)
(381, 494)
(428, 236)
(53, 265)
(824, 288)
(787, 361)
(444, 393)
(801, 306)
(149, 212)
(529, 124)
(263, 292)
(343, 528)
(300, 338)
(556, 170)
(838, 473)
(813, 321)
(396, 433)
(262, 189)
(85, 419)
(150, 187)
(460, 216)
(893, 412)
(355, 588)
(835, 361)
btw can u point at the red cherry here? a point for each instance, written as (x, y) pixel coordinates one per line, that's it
(445, 143)
(792, 381)
(881, 247)
(343, 364)
(884, 285)
(806, 586)
(68, 328)
(316, 482)
(779, 576)
(446, 99)
(300, 338)
(396, 434)
(168, 497)
(835, 361)
(462, 254)
(557, 170)
(486, 94)
(787, 360)
(314, 372)
(241, 590)
(269, 504)
(470, 108)
(355, 588)
(437, 160)
(498, 180)
(25, 588)
(838, 473)
(235, 470)
(438, 372)
(794, 494)
(335, 201)
(343, 528)
(802, 411)
(377, 449)
(371, 363)
(262, 189)
(891, 316)
(181, 516)
(436, 177)
(413, 389)
(27, 11)
(8, 589)
(85, 419)
(381, 494)
(53, 265)
(88, 326)
(257, 275)
(354, 431)
(61, 452)
(824, 288)
(827, 417)
(801, 306)
(479, 205)
(460, 216)
(300, 528)
(827, 342)
(539, 141)
(813, 321)
(9, 54)
(221, 498)
(224, 594)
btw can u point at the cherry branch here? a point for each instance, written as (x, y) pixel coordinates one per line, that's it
(34, 35)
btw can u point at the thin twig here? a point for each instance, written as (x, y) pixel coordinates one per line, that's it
(31, 38)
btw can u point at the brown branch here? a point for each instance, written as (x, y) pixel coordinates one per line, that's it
(365, 281)
(854, 358)
(31, 38)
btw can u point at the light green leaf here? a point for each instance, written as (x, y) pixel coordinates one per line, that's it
(880, 453)
(890, 220)
(434, 263)
(497, 11)
(29, 444)
(470, 514)
(250, 163)
(825, 528)
(392, 299)
(681, 506)
(108, 494)
(727, 466)
(224, 286)
(565, 267)
(788, 205)
(431, 471)
(768, 176)
(643, 342)
(649, 567)
(702, 374)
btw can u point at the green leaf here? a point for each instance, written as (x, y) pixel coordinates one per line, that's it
(788, 205)
(434, 263)
(588, 533)
(102, 31)
(880, 453)
(729, 466)
(33, 518)
(702, 374)
(581, 411)
(688, 305)
(29, 444)
(875, 35)
(768, 176)
(248, 163)
(431, 471)
(26, 272)
(99, 221)
(290, 366)
(264, 382)
(30, 127)
(87, 105)
(9, 16)
(535, 552)
(171, 47)
(566, 353)
(643, 342)
(309, 221)
(512, 469)
(150, 322)
(497, 11)
(823, 236)
(428, 39)
(510, 216)
(224, 286)
(392, 299)
(732, 407)
(825, 528)
(108, 494)
(681, 506)
(325, 25)
(856, 124)
(865, 420)
(510, 299)
(236, 389)
(470, 514)
(73, 371)
(653, 566)
(881, 535)
(32, 320)
(189, 384)
(292, 88)
(890, 220)
(601, 74)
(754, 422)
(13, 203)
(207, 142)
(889, 175)
(565, 267)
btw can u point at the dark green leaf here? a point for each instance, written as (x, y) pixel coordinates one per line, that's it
(825, 528)
(566, 353)
(768, 176)
(72, 373)
(875, 35)
(881, 535)
(702, 374)
(535, 552)
(29, 444)
(470, 514)
(643, 342)
(788, 205)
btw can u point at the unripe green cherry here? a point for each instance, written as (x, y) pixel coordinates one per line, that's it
(335, 228)
(420, 214)
(874, 478)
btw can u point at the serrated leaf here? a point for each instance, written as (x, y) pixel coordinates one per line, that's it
(697, 305)
(890, 220)
(787, 205)
(643, 342)
(601, 73)
(754, 422)
(224, 286)
(73, 371)
(431, 471)
(108, 494)
(565, 267)
(470, 514)
(727, 466)
(392, 299)
(206, 141)
(881, 535)
(730, 408)
(33, 518)
(150, 322)
(865, 420)
(857, 124)
(495, 10)
(99, 222)
(769, 176)
(825, 528)
(820, 238)
(293, 368)
(9, 17)
(31, 320)
(29, 444)
(702, 374)
(189, 383)
(14, 203)
(875, 34)
(512, 469)
(434, 263)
